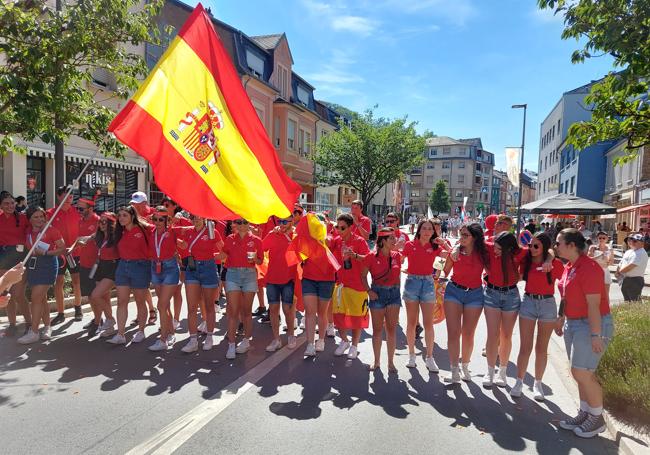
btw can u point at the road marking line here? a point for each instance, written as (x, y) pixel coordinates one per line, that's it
(174, 435)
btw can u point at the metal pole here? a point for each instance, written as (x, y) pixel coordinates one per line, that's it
(59, 156)
(75, 184)
(521, 167)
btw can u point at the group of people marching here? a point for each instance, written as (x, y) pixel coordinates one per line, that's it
(138, 247)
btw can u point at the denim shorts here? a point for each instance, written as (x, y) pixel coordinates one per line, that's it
(169, 275)
(205, 274)
(134, 273)
(577, 338)
(506, 301)
(472, 298)
(321, 289)
(544, 310)
(280, 292)
(242, 279)
(419, 288)
(388, 296)
(44, 271)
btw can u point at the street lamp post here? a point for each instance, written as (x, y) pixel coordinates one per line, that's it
(521, 164)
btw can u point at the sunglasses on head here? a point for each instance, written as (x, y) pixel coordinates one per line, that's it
(240, 222)
(283, 221)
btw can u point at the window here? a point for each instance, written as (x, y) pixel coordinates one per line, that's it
(463, 151)
(459, 193)
(255, 63)
(431, 165)
(283, 81)
(446, 150)
(307, 147)
(260, 113)
(303, 95)
(461, 179)
(545, 186)
(561, 188)
(415, 194)
(471, 194)
(276, 132)
(433, 152)
(478, 167)
(446, 164)
(461, 165)
(477, 180)
(429, 178)
(291, 134)
(573, 181)
(558, 126)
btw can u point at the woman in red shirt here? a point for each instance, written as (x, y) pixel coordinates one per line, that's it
(419, 290)
(384, 265)
(242, 251)
(104, 275)
(201, 278)
(41, 272)
(464, 298)
(13, 227)
(587, 331)
(133, 273)
(538, 308)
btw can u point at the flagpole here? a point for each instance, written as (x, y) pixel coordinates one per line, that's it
(75, 183)
(521, 165)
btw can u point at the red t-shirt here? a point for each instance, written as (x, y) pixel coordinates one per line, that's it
(12, 229)
(537, 282)
(181, 221)
(108, 253)
(495, 274)
(420, 257)
(88, 252)
(276, 244)
(67, 222)
(237, 248)
(165, 243)
(583, 278)
(199, 244)
(468, 270)
(352, 278)
(134, 244)
(50, 237)
(365, 223)
(313, 272)
(381, 273)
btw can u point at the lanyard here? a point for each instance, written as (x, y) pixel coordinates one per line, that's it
(158, 244)
(189, 249)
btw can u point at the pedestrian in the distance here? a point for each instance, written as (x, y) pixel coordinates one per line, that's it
(603, 255)
(631, 269)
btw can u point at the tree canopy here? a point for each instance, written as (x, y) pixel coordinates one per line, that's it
(620, 29)
(439, 198)
(367, 153)
(51, 57)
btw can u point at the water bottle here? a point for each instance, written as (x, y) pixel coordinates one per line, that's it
(70, 260)
(347, 264)
(210, 225)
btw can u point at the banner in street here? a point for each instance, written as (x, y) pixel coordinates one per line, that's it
(194, 123)
(513, 157)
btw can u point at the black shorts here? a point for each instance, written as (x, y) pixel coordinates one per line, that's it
(63, 265)
(10, 257)
(87, 284)
(106, 269)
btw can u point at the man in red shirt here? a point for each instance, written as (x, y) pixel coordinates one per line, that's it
(362, 224)
(67, 222)
(87, 251)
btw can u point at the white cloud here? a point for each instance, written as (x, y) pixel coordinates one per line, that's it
(457, 12)
(337, 76)
(354, 24)
(547, 16)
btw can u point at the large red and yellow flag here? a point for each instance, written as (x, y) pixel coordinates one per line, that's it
(193, 121)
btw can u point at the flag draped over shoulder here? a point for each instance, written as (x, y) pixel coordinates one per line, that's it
(309, 243)
(193, 121)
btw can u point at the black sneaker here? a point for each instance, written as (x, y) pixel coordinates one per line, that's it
(591, 426)
(11, 330)
(78, 315)
(92, 324)
(240, 328)
(58, 319)
(418, 331)
(261, 311)
(574, 422)
(266, 319)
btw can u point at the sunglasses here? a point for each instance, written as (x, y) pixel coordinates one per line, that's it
(156, 219)
(341, 228)
(536, 246)
(283, 222)
(103, 221)
(240, 222)
(391, 221)
(602, 238)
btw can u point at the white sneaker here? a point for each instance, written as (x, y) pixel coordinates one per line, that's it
(310, 351)
(502, 379)
(515, 392)
(340, 350)
(117, 339)
(274, 346)
(108, 328)
(243, 346)
(488, 379)
(295, 323)
(138, 337)
(175, 324)
(465, 374)
(171, 340)
(46, 333)
(353, 352)
(291, 342)
(431, 365)
(29, 338)
(320, 345)
(207, 343)
(202, 327)
(331, 331)
(538, 389)
(302, 323)
(231, 353)
(105, 324)
(454, 377)
(411, 362)
(159, 345)
(191, 346)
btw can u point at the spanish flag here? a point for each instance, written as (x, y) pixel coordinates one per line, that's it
(193, 121)
(310, 243)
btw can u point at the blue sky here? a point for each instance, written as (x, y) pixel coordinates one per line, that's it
(454, 66)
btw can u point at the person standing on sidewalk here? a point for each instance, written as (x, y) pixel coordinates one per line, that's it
(106, 265)
(87, 250)
(632, 267)
(603, 255)
(587, 331)
(362, 224)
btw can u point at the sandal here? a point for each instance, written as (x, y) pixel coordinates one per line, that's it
(153, 317)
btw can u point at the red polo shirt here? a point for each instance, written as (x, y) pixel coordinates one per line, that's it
(165, 242)
(134, 244)
(365, 223)
(88, 252)
(468, 270)
(236, 248)
(580, 279)
(199, 244)
(276, 244)
(108, 253)
(382, 274)
(495, 274)
(67, 222)
(420, 257)
(181, 221)
(13, 229)
(51, 236)
(351, 278)
(537, 282)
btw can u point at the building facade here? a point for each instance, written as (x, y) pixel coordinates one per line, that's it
(582, 173)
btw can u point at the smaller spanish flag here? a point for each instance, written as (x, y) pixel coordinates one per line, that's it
(194, 123)
(310, 243)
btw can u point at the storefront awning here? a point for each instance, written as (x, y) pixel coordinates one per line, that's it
(106, 162)
(629, 208)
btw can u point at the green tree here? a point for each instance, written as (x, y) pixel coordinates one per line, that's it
(368, 153)
(50, 56)
(439, 198)
(620, 29)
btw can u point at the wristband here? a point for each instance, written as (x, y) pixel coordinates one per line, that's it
(595, 335)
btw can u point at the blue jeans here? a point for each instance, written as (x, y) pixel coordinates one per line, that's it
(134, 273)
(276, 293)
(242, 279)
(387, 296)
(419, 288)
(577, 339)
(543, 310)
(169, 274)
(321, 289)
(204, 274)
(471, 298)
(506, 301)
